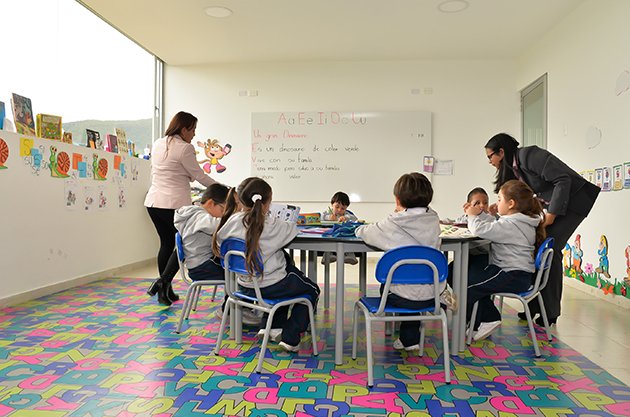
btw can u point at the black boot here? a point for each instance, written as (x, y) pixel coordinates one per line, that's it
(522, 316)
(153, 289)
(171, 294)
(158, 287)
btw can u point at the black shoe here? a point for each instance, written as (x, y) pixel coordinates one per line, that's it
(162, 292)
(541, 323)
(171, 294)
(153, 289)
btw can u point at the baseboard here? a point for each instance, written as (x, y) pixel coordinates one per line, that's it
(71, 283)
(596, 292)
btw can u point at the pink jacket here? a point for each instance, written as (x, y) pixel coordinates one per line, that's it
(172, 173)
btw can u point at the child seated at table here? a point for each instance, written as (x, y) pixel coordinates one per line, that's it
(338, 211)
(412, 223)
(478, 197)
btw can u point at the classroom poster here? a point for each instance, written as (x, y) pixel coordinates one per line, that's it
(102, 197)
(607, 179)
(626, 175)
(590, 176)
(617, 178)
(71, 191)
(89, 200)
(599, 177)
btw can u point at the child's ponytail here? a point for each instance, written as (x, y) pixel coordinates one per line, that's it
(231, 206)
(255, 195)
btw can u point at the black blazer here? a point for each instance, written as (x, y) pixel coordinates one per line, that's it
(552, 180)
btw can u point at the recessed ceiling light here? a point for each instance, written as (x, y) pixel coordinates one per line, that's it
(218, 11)
(453, 6)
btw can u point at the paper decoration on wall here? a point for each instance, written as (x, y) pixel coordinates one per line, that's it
(617, 178)
(599, 177)
(626, 175)
(443, 167)
(122, 197)
(99, 168)
(89, 198)
(214, 153)
(4, 153)
(76, 158)
(59, 164)
(134, 170)
(593, 137)
(71, 192)
(427, 164)
(590, 176)
(607, 179)
(32, 156)
(602, 251)
(623, 83)
(102, 198)
(82, 169)
(25, 146)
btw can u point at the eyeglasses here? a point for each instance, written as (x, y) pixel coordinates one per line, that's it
(490, 155)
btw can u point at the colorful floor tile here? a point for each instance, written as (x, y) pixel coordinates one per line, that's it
(106, 349)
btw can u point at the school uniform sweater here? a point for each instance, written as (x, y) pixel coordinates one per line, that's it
(513, 239)
(275, 236)
(414, 226)
(196, 226)
(328, 215)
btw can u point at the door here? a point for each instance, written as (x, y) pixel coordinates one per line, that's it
(534, 113)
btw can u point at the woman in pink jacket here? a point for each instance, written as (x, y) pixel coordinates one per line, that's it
(173, 167)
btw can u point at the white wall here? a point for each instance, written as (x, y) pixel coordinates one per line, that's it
(584, 55)
(471, 101)
(45, 245)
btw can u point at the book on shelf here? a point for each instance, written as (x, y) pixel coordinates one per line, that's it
(2, 115)
(23, 115)
(67, 137)
(49, 126)
(122, 141)
(93, 139)
(112, 143)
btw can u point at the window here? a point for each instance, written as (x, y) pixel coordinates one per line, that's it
(71, 63)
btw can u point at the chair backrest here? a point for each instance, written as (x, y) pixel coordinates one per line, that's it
(544, 257)
(233, 260)
(181, 257)
(408, 273)
(411, 265)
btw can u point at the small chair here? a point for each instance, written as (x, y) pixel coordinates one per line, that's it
(544, 257)
(194, 287)
(233, 260)
(404, 265)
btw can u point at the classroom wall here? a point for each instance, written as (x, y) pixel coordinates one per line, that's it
(470, 101)
(48, 246)
(586, 57)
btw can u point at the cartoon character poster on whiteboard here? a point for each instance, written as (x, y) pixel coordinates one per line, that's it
(214, 153)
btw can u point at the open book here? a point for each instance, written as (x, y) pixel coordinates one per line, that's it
(454, 231)
(284, 212)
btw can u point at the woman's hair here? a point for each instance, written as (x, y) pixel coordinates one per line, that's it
(341, 198)
(509, 146)
(526, 203)
(215, 192)
(413, 190)
(180, 121)
(476, 190)
(253, 194)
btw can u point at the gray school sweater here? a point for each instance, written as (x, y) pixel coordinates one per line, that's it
(196, 226)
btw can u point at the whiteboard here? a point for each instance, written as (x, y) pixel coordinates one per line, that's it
(308, 156)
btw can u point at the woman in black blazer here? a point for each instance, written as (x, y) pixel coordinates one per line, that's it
(567, 197)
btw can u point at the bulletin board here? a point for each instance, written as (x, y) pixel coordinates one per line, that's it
(308, 156)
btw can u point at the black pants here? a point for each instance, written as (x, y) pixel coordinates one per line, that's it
(484, 280)
(409, 332)
(294, 284)
(561, 230)
(167, 257)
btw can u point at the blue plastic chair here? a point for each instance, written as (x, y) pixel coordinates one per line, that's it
(233, 260)
(194, 287)
(404, 265)
(544, 257)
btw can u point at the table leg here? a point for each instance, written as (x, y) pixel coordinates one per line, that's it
(457, 289)
(362, 274)
(303, 261)
(339, 306)
(312, 266)
(326, 280)
(464, 296)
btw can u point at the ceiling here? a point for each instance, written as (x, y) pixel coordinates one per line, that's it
(180, 33)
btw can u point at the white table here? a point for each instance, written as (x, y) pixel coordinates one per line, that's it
(314, 243)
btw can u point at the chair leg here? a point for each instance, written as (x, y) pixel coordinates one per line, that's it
(196, 296)
(214, 292)
(222, 327)
(543, 313)
(355, 330)
(421, 352)
(501, 305)
(184, 313)
(263, 347)
(473, 318)
(447, 352)
(311, 313)
(370, 360)
(530, 324)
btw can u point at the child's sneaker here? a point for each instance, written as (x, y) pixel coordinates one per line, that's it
(290, 348)
(351, 259)
(398, 345)
(275, 335)
(486, 329)
(449, 299)
(328, 258)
